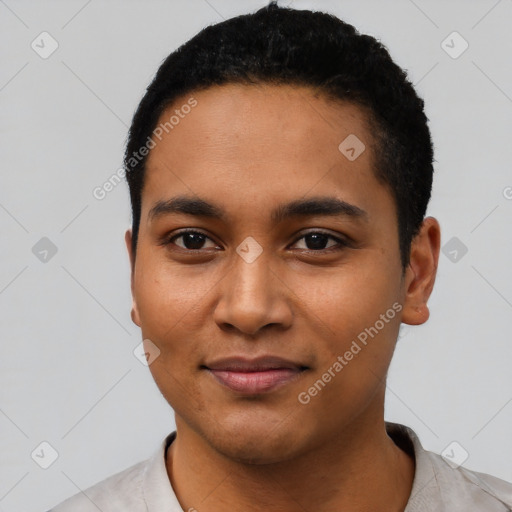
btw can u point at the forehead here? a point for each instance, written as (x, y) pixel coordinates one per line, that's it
(259, 116)
(261, 141)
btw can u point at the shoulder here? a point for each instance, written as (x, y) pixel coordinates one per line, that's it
(463, 489)
(120, 492)
(143, 487)
(441, 485)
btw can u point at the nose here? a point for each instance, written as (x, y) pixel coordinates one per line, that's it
(252, 298)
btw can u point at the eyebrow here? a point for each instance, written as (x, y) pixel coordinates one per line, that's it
(315, 206)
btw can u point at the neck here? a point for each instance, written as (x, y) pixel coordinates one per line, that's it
(359, 469)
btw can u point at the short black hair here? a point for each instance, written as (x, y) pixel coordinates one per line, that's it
(278, 45)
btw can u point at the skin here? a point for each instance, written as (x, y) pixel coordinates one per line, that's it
(248, 149)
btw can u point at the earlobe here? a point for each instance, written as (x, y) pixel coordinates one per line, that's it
(421, 272)
(128, 241)
(135, 314)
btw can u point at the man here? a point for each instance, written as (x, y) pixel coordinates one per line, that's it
(280, 166)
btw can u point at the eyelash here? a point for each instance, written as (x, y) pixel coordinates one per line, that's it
(341, 244)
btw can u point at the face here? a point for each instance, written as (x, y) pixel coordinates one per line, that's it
(267, 273)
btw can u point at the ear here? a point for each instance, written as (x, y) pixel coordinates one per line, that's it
(128, 242)
(421, 272)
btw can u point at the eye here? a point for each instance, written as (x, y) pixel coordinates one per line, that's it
(191, 240)
(315, 241)
(319, 241)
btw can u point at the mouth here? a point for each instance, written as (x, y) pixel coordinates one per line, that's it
(254, 376)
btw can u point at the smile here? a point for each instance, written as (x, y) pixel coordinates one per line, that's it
(254, 377)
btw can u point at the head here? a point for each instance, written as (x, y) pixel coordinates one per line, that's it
(298, 154)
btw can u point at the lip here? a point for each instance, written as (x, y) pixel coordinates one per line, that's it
(254, 376)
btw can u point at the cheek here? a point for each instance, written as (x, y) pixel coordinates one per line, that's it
(168, 301)
(344, 312)
(341, 303)
(169, 295)
(172, 302)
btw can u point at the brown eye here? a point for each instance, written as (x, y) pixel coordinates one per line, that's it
(318, 241)
(191, 240)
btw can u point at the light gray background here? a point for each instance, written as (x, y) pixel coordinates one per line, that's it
(69, 376)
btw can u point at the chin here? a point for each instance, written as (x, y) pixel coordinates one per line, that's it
(255, 449)
(256, 442)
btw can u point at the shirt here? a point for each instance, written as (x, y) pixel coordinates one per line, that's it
(438, 485)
